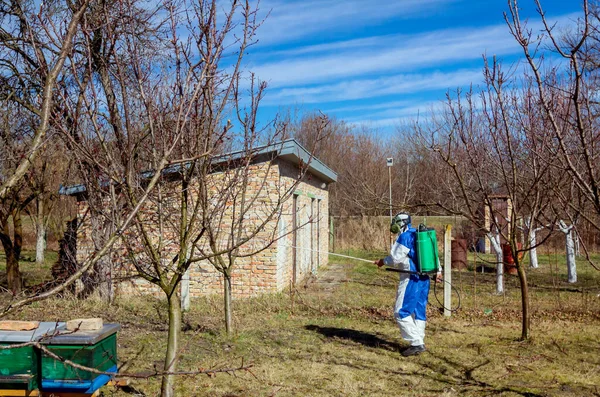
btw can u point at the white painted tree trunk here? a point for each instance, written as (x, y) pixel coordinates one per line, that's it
(185, 284)
(570, 246)
(533, 259)
(571, 265)
(447, 271)
(532, 234)
(185, 291)
(40, 244)
(495, 240)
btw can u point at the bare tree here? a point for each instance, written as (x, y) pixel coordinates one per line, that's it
(567, 99)
(146, 112)
(493, 144)
(36, 42)
(13, 204)
(35, 46)
(44, 178)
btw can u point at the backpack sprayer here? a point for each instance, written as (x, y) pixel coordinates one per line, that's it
(427, 257)
(427, 260)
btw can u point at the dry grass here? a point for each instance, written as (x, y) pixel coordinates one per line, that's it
(345, 342)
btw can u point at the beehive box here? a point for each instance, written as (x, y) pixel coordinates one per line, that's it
(19, 366)
(93, 349)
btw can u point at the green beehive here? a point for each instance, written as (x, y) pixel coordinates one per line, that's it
(19, 365)
(94, 349)
(427, 250)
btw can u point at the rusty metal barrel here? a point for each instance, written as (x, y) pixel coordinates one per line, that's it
(507, 258)
(458, 249)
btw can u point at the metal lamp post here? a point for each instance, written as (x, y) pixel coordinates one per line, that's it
(390, 163)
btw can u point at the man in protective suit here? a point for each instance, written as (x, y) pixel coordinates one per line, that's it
(413, 289)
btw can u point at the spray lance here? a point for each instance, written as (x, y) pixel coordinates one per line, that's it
(427, 260)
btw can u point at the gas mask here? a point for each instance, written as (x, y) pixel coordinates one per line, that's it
(400, 223)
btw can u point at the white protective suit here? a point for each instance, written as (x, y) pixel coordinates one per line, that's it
(413, 289)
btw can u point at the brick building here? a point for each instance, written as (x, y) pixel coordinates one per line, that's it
(301, 227)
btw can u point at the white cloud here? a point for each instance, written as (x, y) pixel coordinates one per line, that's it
(370, 107)
(392, 67)
(386, 54)
(392, 54)
(369, 88)
(292, 20)
(396, 116)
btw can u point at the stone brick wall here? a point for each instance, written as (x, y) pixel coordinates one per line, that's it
(271, 269)
(312, 228)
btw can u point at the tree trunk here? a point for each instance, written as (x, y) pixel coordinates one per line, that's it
(103, 278)
(185, 291)
(533, 259)
(499, 273)
(571, 265)
(227, 301)
(570, 246)
(524, 299)
(18, 234)
(13, 275)
(172, 356)
(40, 245)
(495, 240)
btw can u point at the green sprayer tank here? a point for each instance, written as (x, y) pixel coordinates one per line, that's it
(427, 250)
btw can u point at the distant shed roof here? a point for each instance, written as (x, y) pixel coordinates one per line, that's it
(289, 150)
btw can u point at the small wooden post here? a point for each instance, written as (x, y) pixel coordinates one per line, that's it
(447, 271)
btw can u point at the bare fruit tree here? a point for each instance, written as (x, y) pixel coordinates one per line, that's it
(147, 113)
(243, 208)
(493, 142)
(567, 97)
(137, 92)
(36, 44)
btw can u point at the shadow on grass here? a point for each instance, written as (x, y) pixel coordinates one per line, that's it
(363, 338)
(467, 379)
(434, 366)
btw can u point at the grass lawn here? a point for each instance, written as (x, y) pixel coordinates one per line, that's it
(32, 273)
(343, 341)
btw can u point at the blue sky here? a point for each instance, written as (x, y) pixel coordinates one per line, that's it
(380, 63)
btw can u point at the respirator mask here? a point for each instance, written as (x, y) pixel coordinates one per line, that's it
(399, 223)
